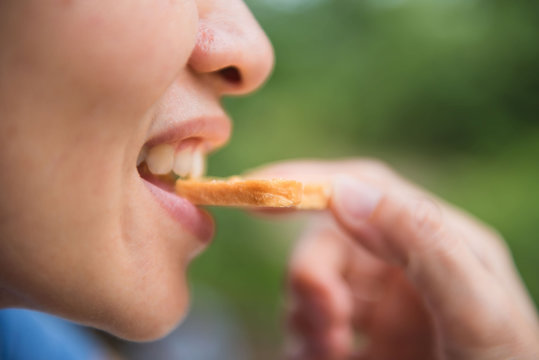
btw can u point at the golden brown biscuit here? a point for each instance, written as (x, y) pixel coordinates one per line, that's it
(235, 191)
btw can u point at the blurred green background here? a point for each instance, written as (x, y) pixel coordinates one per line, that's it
(445, 91)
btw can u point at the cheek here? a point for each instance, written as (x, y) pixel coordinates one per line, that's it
(114, 51)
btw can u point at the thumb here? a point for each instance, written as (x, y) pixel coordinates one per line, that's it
(394, 224)
(413, 234)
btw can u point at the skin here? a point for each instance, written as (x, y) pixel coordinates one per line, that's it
(83, 85)
(402, 272)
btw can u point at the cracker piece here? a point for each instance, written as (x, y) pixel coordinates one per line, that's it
(241, 192)
(238, 192)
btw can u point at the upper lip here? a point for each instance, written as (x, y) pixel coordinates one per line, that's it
(212, 131)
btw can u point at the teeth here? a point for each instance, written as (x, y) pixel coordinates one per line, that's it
(198, 167)
(160, 159)
(186, 163)
(183, 162)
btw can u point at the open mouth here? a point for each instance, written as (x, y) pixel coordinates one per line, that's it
(163, 164)
(160, 165)
(177, 148)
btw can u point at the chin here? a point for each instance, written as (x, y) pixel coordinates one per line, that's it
(149, 329)
(146, 324)
(147, 311)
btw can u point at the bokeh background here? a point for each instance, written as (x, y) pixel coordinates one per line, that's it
(445, 91)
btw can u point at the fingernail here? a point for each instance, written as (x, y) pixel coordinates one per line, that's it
(354, 199)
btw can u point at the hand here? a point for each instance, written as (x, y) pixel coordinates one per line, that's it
(392, 272)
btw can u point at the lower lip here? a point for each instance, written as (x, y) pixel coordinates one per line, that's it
(194, 220)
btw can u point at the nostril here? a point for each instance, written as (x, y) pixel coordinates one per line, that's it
(231, 74)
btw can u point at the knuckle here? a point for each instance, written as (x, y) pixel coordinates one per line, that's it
(298, 269)
(423, 220)
(301, 278)
(425, 217)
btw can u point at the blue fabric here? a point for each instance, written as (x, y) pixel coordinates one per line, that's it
(30, 335)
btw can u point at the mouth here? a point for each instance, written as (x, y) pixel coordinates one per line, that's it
(180, 152)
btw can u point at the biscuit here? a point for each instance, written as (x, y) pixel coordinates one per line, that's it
(238, 192)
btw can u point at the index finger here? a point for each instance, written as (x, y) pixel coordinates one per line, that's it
(322, 308)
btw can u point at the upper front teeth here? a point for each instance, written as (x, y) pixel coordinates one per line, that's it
(162, 159)
(198, 164)
(183, 162)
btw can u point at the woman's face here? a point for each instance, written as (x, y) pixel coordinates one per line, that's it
(85, 86)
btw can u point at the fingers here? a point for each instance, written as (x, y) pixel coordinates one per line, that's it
(414, 234)
(322, 309)
(457, 266)
(485, 244)
(400, 229)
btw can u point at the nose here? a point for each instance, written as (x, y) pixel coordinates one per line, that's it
(231, 50)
